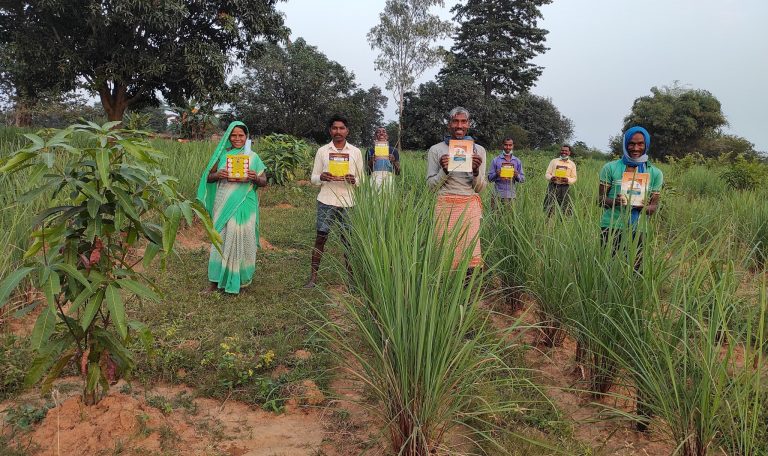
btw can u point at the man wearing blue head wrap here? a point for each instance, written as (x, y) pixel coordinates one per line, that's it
(618, 212)
(623, 212)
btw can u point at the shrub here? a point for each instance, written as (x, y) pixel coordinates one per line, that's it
(745, 174)
(285, 157)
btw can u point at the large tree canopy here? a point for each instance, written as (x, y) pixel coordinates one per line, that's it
(295, 88)
(131, 51)
(533, 121)
(679, 120)
(496, 42)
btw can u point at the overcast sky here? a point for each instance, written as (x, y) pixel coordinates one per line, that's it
(603, 54)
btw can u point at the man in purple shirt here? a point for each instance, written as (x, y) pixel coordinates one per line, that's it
(504, 165)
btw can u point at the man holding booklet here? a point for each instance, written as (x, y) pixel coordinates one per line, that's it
(337, 170)
(383, 159)
(628, 187)
(561, 174)
(456, 171)
(506, 170)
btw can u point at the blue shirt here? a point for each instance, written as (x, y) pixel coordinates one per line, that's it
(381, 165)
(505, 188)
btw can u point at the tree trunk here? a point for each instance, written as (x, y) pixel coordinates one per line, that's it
(400, 123)
(114, 100)
(22, 117)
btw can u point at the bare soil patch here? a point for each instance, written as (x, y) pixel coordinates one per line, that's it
(128, 424)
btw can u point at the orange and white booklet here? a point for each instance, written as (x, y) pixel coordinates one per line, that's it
(635, 186)
(460, 155)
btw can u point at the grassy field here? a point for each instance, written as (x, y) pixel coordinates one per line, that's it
(697, 309)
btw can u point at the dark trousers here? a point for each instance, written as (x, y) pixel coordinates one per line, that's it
(557, 194)
(614, 235)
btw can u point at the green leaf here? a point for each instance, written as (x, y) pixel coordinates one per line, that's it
(136, 151)
(91, 309)
(94, 375)
(44, 327)
(53, 374)
(49, 212)
(126, 203)
(72, 272)
(51, 287)
(10, 283)
(110, 125)
(150, 252)
(48, 158)
(186, 209)
(102, 163)
(37, 171)
(58, 138)
(213, 235)
(35, 192)
(116, 310)
(116, 348)
(93, 207)
(43, 361)
(119, 221)
(138, 289)
(153, 233)
(16, 161)
(24, 311)
(79, 300)
(36, 140)
(171, 227)
(145, 335)
(90, 190)
(33, 249)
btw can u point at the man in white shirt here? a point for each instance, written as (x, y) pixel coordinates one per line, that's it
(338, 168)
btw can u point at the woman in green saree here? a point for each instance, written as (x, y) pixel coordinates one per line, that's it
(234, 209)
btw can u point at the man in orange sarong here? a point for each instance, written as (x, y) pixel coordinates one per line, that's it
(458, 192)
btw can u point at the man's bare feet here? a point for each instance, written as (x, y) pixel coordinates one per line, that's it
(310, 284)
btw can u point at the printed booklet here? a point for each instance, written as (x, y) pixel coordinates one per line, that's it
(634, 186)
(237, 167)
(460, 153)
(338, 164)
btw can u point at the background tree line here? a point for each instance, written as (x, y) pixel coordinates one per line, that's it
(144, 58)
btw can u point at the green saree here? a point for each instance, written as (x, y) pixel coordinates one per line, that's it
(234, 209)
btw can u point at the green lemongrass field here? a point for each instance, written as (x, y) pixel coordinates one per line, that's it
(688, 334)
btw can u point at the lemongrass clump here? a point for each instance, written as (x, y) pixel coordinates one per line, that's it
(413, 327)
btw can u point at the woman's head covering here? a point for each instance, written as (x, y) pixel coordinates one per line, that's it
(629, 161)
(206, 192)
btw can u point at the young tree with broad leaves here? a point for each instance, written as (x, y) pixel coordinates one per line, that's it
(496, 42)
(404, 38)
(129, 52)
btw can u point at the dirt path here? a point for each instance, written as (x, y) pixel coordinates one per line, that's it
(560, 379)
